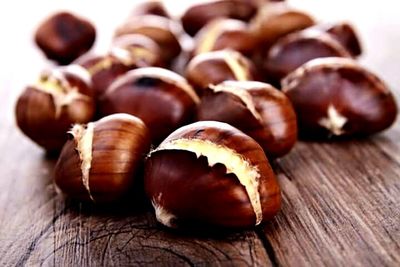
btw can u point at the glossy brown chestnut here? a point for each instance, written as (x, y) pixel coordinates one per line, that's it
(165, 32)
(150, 7)
(100, 160)
(345, 34)
(197, 16)
(338, 97)
(218, 66)
(275, 20)
(63, 37)
(225, 33)
(257, 109)
(293, 50)
(46, 110)
(161, 98)
(210, 173)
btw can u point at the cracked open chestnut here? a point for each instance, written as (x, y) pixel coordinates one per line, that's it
(100, 160)
(225, 33)
(63, 37)
(165, 32)
(161, 98)
(293, 50)
(46, 110)
(218, 66)
(338, 97)
(127, 52)
(197, 16)
(257, 109)
(210, 173)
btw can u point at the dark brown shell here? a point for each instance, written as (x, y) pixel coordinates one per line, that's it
(150, 7)
(196, 193)
(199, 15)
(275, 130)
(120, 144)
(36, 112)
(294, 50)
(63, 37)
(355, 93)
(162, 104)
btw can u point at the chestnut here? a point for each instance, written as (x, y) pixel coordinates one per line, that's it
(46, 110)
(64, 36)
(225, 33)
(293, 50)
(161, 98)
(210, 173)
(150, 7)
(275, 20)
(338, 97)
(258, 109)
(345, 34)
(100, 160)
(218, 66)
(200, 14)
(165, 32)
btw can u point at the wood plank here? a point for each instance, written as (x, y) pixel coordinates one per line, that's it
(341, 204)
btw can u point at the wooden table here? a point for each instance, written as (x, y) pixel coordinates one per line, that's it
(341, 201)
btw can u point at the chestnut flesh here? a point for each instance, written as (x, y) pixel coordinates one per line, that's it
(210, 173)
(218, 66)
(63, 37)
(338, 97)
(46, 110)
(258, 109)
(102, 159)
(161, 98)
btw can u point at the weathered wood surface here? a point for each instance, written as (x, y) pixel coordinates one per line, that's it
(341, 200)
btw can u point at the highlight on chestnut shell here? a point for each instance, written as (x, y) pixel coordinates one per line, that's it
(101, 160)
(210, 173)
(46, 110)
(163, 99)
(339, 97)
(257, 109)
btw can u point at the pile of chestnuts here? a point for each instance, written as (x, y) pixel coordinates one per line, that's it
(258, 75)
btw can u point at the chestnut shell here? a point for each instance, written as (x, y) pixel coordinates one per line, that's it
(63, 37)
(275, 130)
(198, 194)
(339, 91)
(120, 143)
(161, 103)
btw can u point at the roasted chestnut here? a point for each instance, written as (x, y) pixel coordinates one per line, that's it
(293, 50)
(100, 160)
(225, 33)
(165, 32)
(345, 34)
(150, 7)
(63, 37)
(338, 97)
(200, 14)
(275, 20)
(257, 109)
(210, 173)
(161, 98)
(46, 110)
(218, 66)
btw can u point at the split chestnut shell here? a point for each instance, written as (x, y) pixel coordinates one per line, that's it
(338, 97)
(210, 173)
(101, 159)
